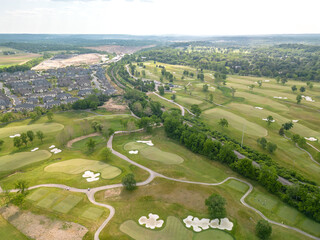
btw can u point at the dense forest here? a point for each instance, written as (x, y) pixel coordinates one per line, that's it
(296, 61)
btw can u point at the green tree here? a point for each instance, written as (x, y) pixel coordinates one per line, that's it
(50, 116)
(161, 90)
(24, 138)
(270, 120)
(263, 142)
(195, 109)
(260, 83)
(295, 138)
(278, 79)
(129, 182)
(294, 88)
(263, 229)
(40, 135)
(22, 186)
(281, 131)
(251, 87)
(223, 122)
(233, 91)
(173, 97)
(302, 89)
(105, 154)
(211, 97)
(205, 88)
(30, 135)
(288, 125)
(299, 98)
(284, 81)
(145, 123)
(271, 147)
(1, 143)
(91, 144)
(216, 206)
(17, 142)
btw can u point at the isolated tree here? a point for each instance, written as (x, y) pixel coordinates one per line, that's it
(129, 182)
(299, 98)
(105, 154)
(216, 206)
(17, 142)
(295, 138)
(260, 83)
(251, 87)
(30, 135)
(40, 135)
(91, 144)
(288, 125)
(24, 138)
(302, 89)
(211, 97)
(310, 85)
(195, 109)
(233, 91)
(284, 81)
(50, 116)
(263, 229)
(173, 97)
(205, 88)
(269, 120)
(145, 123)
(278, 79)
(263, 142)
(223, 122)
(281, 131)
(161, 90)
(271, 147)
(22, 186)
(294, 88)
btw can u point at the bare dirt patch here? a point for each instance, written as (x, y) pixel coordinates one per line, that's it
(119, 49)
(82, 59)
(115, 192)
(115, 105)
(41, 227)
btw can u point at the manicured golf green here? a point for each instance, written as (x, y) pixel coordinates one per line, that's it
(174, 230)
(49, 200)
(18, 160)
(37, 194)
(311, 226)
(77, 166)
(153, 153)
(44, 127)
(92, 213)
(67, 204)
(235, 121)
(239, 186)
(289, 213)
(265, 201)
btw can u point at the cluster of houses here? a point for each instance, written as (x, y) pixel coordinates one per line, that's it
(52, 87)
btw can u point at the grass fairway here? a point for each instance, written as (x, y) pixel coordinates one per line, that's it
(173, 230)
(67, 204)
(239, 186)
(235, 121)
(18, 160)
(92, 213)
(37, 194)
(77, 166)
(44, 127)
(8, 232)
(154, 153)
(49, 200)
(188, 101)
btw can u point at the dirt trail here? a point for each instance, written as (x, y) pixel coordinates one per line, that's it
(69, 144)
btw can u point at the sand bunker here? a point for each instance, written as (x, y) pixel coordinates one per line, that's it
(265, 119)
(260, 108)
(149, 143)
(91, 176)
(295, 121)
(280, 97)
(311, 139)
(16, 135)
(52, 146)
(266, 80)
(35, 149)
(133, 152)
(151, 222)
(56, 150)
(308, 99)
(203, 224)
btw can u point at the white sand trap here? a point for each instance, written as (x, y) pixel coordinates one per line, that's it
(266, 80)
(264, 119)
(308, 99)
(280, 97)
(56, 150)
(151, 222)
(311, 139)
(203, 224)
(149, 143)
(16, 135)
(134, 152)
(91, 176)
(260, 108)
(52, 146)
(295, 121)
(35, 149)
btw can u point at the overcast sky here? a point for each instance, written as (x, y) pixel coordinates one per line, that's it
(159, 17)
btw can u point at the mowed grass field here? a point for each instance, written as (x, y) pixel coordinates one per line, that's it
(79, 166)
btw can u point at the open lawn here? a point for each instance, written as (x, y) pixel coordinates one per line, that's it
(44, 127)
(153, 153)
(92, 213)
(67, 204)
(77, 166)
(18, 160)
(82, 144)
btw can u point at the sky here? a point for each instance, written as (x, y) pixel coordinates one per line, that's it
(160, 17)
